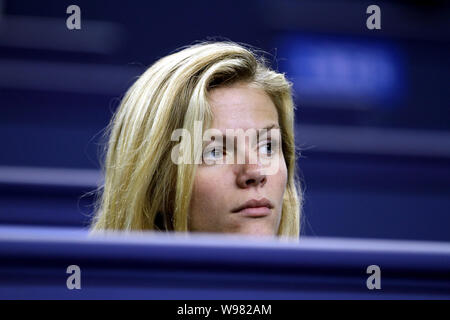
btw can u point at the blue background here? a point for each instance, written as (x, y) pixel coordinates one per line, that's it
(372, 118)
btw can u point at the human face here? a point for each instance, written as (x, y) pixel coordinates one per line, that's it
(220, 189)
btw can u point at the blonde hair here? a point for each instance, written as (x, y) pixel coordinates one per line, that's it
(143, 188)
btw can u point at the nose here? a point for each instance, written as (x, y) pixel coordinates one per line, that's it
(251, 176)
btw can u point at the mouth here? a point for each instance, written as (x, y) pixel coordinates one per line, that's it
(255, 208)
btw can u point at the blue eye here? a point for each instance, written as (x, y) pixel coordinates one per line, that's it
(267, 147)
(214, 153)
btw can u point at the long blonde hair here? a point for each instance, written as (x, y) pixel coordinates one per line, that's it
(143, 188)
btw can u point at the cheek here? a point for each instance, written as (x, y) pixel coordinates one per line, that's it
(281, 177)
(209, 200)
(284, 175)
(207, 192)
(202, 190)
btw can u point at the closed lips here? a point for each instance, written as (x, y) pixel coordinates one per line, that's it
(253, 203)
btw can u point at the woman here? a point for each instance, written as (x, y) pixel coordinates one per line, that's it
(221, 86)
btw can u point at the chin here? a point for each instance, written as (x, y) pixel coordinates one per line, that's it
(258, 230)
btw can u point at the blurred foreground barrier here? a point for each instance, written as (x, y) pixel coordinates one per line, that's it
(57, 263)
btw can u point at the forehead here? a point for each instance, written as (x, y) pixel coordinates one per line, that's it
(241, 106)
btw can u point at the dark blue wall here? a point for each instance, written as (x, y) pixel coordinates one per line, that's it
(59, 88)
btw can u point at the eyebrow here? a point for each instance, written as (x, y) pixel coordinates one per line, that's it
(269, 127)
